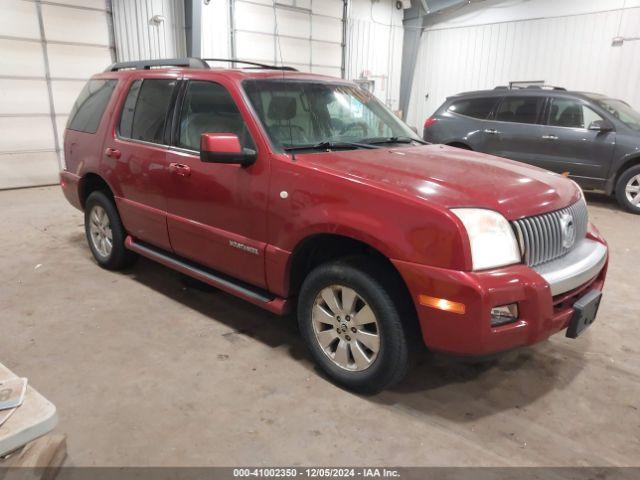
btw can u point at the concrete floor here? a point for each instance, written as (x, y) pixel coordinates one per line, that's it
(147, 372)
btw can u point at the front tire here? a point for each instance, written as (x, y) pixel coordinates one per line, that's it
(352, 326)
(628, 189)
(105, 233)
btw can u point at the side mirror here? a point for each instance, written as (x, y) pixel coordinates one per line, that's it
(600, 126)
(225, 148)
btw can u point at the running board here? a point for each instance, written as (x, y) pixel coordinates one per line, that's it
(255, 295)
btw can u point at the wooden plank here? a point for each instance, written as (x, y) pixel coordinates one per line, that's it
(38, 460)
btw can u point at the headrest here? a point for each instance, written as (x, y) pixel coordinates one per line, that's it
(282, 108)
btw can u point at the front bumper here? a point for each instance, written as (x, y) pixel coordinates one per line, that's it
(545, 299)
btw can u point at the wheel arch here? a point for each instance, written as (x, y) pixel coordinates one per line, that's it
(91, 182)
(626, 164)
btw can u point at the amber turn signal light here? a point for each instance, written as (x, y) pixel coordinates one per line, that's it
(442, 304)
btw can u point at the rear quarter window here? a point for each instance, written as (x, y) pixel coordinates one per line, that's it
(474, 107)
(87, 112)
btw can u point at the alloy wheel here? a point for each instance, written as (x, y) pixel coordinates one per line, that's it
(345, 328)
(100, 230)
(632, 190)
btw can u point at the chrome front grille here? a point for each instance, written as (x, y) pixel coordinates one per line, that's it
(542, 238)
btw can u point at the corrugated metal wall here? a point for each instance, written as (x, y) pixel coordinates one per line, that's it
(570, 51)
(137, 36)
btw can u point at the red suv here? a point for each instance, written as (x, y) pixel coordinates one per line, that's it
(300, 191)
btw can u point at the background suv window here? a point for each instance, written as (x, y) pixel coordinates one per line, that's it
(520, 109)
(474, 107)
(565, 112)
(145, 110)
(90, 105)
(209, 108)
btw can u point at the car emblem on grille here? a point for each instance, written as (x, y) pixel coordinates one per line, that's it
(568, 229)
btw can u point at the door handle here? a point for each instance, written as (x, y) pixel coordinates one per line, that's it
(180, 169)
(113, 153)
(549, 137)
(491, 131)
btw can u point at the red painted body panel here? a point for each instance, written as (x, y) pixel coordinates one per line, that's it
(247, 222)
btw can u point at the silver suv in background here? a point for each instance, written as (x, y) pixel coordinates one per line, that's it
(592, 138)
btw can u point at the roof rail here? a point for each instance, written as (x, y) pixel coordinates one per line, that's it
(252, 64)
(188, 62)
(528, 87)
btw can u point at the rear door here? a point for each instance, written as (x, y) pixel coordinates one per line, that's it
(216, 213)
(568, 144)
(136, 156)
(515, 132)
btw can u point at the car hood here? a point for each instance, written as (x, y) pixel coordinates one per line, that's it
(452, 177)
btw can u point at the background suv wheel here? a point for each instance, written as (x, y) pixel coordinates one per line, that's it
(105, 233)
(352, 326)
(628, 189)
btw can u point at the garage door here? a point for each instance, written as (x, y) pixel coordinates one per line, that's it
(309, 32)
(48, 51)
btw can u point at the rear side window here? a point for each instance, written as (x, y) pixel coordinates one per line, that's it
(520, 109)
(90, 105)
(145, 110)
(474, 107)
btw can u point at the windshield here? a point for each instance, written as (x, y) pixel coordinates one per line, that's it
(621, 111)
(303, 114)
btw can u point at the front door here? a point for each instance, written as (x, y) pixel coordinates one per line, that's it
(216, 213)
(569, 145)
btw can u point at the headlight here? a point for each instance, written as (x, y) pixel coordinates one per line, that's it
(493, 243)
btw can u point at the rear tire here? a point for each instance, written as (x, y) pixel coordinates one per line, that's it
(628, 189)
(352, 325)
(105, 233)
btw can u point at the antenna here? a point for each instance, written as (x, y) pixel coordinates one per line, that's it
(279, 48)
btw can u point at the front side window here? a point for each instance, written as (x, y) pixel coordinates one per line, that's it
(520, 109)
(296, 114)
(474, 107)
(90, 105)
(145, 110)
(565, 112)
(209, 108)
(622, 111)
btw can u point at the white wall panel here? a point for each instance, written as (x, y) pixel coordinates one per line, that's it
(31, 131)
(19, 19)
(67, 24)
(28, 169)
(26, 133)
(21, 58)
(75, 61)
(374, 47)
(215, 30)
(23, 97)
(574, 52)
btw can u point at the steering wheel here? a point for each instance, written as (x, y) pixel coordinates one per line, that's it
(364, 128)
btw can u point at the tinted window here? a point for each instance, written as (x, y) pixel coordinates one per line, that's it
(565, 112)
(209, 108)
(126, 118)
(145, 110)
(90, 105)
(520, 109)
(474, 107)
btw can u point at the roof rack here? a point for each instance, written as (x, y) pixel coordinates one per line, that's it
(252, 64)
(188, 62)
(532, 87)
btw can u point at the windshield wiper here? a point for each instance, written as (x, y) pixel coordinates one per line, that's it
(326, 145)
(394, 139)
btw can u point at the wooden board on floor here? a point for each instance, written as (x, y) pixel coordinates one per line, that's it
(40, 459)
